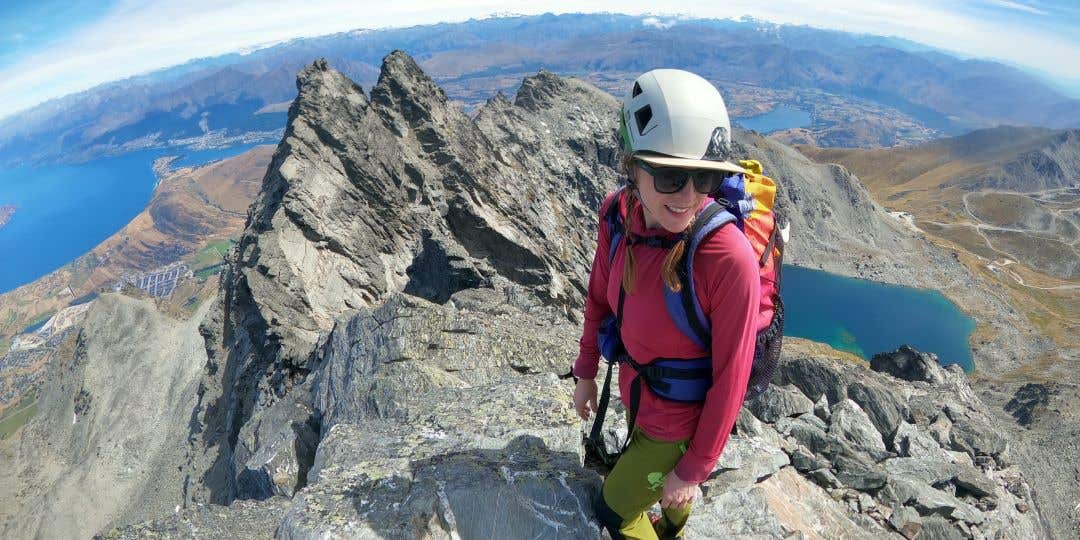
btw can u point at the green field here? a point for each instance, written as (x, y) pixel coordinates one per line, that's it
(11, 421)
(212, 254)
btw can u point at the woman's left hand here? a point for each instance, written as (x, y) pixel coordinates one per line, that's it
(677, 493)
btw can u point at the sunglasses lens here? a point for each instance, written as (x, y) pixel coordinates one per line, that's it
(708, 181)
(669, 180)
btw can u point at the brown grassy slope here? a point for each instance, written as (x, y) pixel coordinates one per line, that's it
(189, 208)
(915, 177)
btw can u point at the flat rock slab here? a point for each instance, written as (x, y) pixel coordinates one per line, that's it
(777, 402)
(930, 501)
(852, 424)
(775, 508)
(922, 470)
(746, 461)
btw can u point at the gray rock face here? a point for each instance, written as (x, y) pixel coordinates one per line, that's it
(930, 501)
(805, 433)
(906, 521)
(909, 441)
(523, 489)
(877, 397)
(777, 402)
(926, 471)
(805, 461)
(940, 529)
(932, 479)
(440, 422)
(782, 506)
(884, 407)
(858, 473)
(745, 462)
(974, 482)
(399, 191)
(851, 424)
(821, 408)
(274, 449)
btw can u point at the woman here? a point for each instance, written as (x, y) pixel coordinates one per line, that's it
(676, 137)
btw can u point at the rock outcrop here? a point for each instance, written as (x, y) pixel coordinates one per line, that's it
(399, 191)
(382, 357)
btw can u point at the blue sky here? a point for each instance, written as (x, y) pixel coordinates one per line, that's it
(27, 27)
(49, 48)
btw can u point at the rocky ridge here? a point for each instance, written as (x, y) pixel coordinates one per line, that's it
(399, 191)
(381, 358)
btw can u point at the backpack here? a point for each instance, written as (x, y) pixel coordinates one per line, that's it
(747, 202)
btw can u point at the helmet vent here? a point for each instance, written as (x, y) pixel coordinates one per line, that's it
(637, 90)
(643, 115)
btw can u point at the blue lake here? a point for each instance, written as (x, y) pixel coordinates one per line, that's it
(866, 317)
(63, 211)
(776, 120)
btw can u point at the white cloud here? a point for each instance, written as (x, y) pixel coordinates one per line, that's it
(1017, 6)
(655, 22)
(140, 36)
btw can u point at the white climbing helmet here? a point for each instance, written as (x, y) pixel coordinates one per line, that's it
(674, 118)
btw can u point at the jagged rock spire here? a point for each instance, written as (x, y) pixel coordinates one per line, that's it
(539, 90)
(366, 197)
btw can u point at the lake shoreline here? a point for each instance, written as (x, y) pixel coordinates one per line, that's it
(867, 317)
(780, 118)
(67, 210)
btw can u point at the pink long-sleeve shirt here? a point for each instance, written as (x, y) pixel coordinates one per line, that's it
(727, 283)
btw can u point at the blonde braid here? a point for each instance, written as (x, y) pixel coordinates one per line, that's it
(672, 260)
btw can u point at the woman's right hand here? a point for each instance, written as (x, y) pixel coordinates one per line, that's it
(585, 397)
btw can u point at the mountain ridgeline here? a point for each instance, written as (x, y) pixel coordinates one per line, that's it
(860, 90)
(381, 358)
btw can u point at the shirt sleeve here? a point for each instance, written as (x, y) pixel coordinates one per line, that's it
(734, 297)
(596, 305)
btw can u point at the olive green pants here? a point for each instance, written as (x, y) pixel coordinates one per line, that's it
(636, 484)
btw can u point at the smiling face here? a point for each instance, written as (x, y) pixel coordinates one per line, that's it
(672, 211)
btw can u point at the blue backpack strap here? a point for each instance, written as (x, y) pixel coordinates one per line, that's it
(615, 222)
(683, 306)
(609, 338)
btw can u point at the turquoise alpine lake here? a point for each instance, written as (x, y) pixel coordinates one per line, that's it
(775, 120)
(64, 210)
(866, 317)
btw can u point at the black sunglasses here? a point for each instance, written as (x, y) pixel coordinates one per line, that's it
(672, 179)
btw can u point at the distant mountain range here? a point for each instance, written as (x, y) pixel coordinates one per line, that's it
(861, 90)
